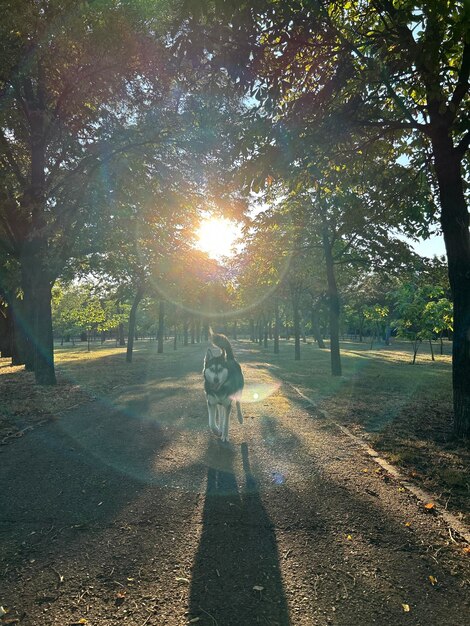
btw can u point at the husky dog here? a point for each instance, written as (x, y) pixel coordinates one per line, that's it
(223, 383)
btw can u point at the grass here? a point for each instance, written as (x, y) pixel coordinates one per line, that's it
(404, 410)
(81, 376)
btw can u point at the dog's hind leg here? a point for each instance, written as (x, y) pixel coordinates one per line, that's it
(212, 408)
(239, 412)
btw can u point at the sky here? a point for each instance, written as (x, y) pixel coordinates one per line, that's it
(430, 247)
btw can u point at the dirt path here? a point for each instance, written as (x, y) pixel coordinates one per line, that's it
(127, 511)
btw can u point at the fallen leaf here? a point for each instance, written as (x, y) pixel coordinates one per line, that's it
(194, 620)
(365, 469)
(407, 523)
(429, 506)
(406, 608)
(258, 588)
(467, 550)
(3, 611)
(180, 579)
(433, 580)
(120, 597)
(349, 537)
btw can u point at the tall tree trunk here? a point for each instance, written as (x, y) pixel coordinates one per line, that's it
(121, 337)
(161, 325)
(334, 305)
(316, 328)
(185, 331)
(361, 329)
(36, 311)
(175, 326)
(296, 318)
(276, 325)
(44, 342)
(35, 249)
(6, 332)
(455, 227)
(139, 294)
(25, 315)
(21, 336)
(302, 329)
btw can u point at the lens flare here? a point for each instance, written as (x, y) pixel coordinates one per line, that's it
(257, 392)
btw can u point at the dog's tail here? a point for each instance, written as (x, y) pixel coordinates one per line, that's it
(223, 343)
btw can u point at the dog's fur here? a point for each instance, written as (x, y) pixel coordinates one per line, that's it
(223, 383)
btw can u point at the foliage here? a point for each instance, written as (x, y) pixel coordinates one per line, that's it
(422, 313)
(80, 307)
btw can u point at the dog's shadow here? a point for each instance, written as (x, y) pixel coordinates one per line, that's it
(236, 577)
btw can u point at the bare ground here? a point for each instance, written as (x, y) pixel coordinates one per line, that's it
(125, 510)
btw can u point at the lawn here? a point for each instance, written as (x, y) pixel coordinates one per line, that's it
(403, 410)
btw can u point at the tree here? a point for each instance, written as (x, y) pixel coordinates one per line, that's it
(439, 318)
(75, 80)
(416, 318)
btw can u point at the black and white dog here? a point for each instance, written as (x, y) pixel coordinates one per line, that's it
(223, 383)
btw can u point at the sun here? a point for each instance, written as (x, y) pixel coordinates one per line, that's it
(217, 237)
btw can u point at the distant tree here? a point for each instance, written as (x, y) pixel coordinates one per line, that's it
(416, 319)
(439, 316)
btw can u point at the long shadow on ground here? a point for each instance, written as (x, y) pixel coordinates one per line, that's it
(236, 575)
